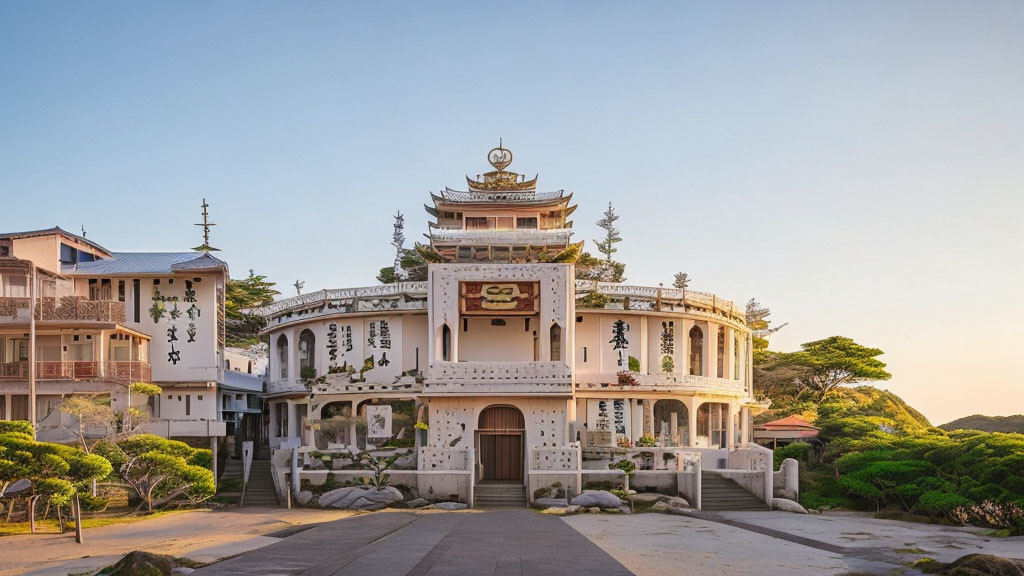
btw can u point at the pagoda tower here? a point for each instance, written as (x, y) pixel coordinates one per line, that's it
(501, 217)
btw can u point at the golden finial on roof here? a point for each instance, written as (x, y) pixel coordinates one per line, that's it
(500, 157)
(499, 180)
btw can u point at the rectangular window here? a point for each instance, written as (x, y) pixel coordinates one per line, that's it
(188, 404)
(94, 289)
(584, 354)
(120, 290)
(105, 290)
(68, 255)
(19, 407)
(476, 223)
(526, 223)
(136, 298)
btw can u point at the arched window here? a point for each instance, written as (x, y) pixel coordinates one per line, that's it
(282, 355)
(556, 342)
(671, 423)
(696, 351)
(307, 354)
(721, 352)
(446, 343)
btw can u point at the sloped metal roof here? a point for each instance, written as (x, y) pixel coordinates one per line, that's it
(146, 263)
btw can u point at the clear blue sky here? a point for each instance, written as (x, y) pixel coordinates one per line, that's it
(856, 166)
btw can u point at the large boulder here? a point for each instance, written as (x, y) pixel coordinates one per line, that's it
(360, 498)
(417, 503)
(976, 565)
(787, 505)
(304, 497)
(648, 498)
(599, 498)
(140, 563)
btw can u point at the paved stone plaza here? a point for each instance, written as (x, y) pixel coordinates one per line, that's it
(500, 543)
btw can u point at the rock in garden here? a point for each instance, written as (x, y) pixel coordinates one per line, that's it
(554, 511)
(599, 498)
(450, 506)
(360, 497)
(648, 497)
(139, 562)
(678, 502)
(551, 502)
(304, 497)
(594, 510)
(788, 506)
(417, 503)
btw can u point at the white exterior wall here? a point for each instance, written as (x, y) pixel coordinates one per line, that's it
(199, 361)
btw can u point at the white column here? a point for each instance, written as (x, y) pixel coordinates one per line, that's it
(730, 352)
(692, 414)
(290, 431)
(293, 363)
(710, 367)
(744, 426)
(7, 407)
(272, 426)
(730, 426)
(644, 355)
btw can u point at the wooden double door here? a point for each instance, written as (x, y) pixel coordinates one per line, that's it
(501, 457)
(500, 439)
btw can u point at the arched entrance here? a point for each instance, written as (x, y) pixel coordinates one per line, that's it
(499, 443)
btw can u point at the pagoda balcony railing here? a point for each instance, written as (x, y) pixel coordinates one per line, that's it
(65, 308)
(657, 382)
(124, 372)
(491, 236)
(498, 377)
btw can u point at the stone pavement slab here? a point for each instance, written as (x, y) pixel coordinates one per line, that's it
(503, 543)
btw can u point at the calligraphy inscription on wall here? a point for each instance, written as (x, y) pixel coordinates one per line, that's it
(489, 298)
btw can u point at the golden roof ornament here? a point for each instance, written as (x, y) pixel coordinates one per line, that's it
(500, 180)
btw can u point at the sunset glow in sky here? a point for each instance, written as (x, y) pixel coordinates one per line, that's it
(857, 167)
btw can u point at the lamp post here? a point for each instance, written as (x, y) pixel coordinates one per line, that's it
(33, 279)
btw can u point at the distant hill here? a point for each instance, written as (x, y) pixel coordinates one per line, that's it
(861, 401)
(988, 423)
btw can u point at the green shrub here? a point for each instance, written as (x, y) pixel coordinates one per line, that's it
(18, 426)
(796, 450)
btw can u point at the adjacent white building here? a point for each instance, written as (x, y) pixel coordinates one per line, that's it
(103, 320)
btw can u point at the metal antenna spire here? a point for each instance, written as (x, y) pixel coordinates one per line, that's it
(205, 247)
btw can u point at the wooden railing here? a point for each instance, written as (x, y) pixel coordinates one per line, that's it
(126, 372)
(64, 308)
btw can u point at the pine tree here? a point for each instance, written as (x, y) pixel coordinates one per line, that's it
(612, 237)
(759, 324)
(681, 281)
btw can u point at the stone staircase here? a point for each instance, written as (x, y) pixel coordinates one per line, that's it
(260, 491)
(499, 496)
(718, 493)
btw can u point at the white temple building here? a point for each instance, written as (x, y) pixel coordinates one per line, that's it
(500, 374)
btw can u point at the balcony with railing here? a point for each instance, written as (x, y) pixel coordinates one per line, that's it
(499, 377)
(124, 372)
(63, 309)
(675, 382)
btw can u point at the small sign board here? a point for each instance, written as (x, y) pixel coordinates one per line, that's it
(499, 298)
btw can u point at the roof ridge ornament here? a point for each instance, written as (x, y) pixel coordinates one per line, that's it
(205, 247)
(500, 180)
(500, 157)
